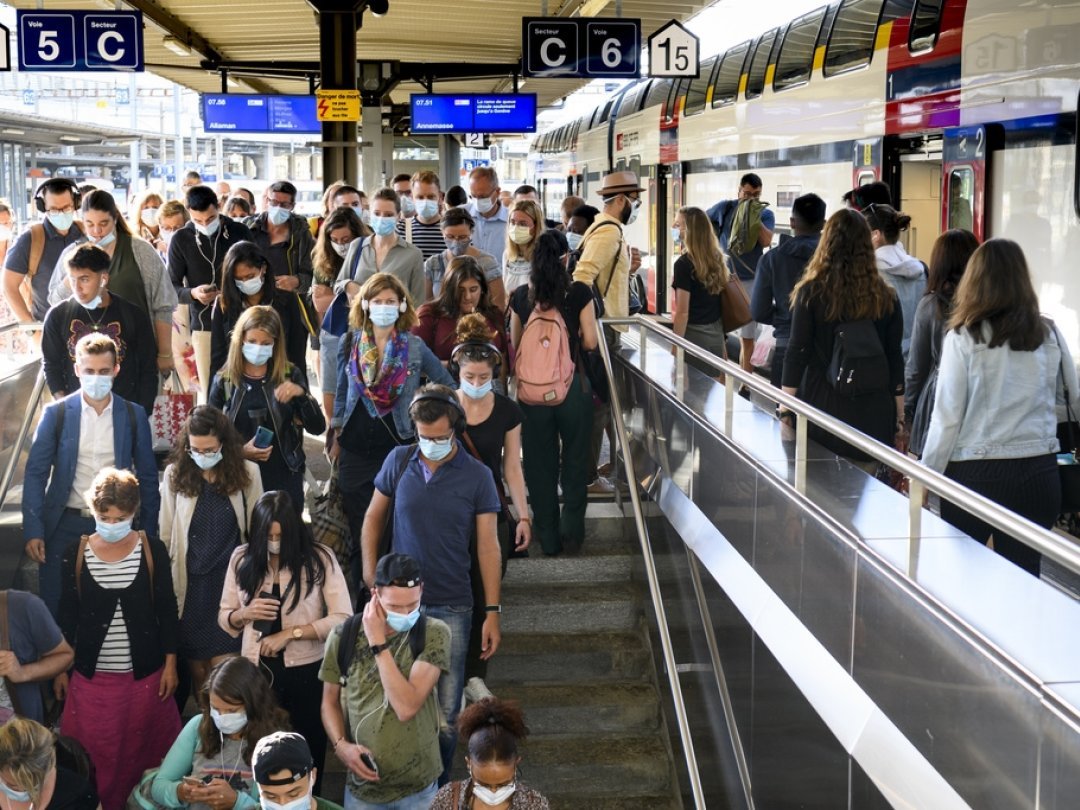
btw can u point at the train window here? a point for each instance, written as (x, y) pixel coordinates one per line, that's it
(961, 198)
(759, 64)
(729, 75)
(658, 92)
(699, 89)
(851, 43)
(925, 24)
(796, 60)
(632, 102)
(678, 89)
(606, 113)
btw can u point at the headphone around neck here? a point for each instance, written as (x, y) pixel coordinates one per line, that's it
(458, 422)
(454, 366)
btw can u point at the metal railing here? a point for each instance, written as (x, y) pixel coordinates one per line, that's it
(922, 479)
(24, 426)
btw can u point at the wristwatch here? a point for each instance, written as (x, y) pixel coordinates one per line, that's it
(378, 648)
(493, 609)
(298, 633)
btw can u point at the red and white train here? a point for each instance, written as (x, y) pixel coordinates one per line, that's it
(966, 108)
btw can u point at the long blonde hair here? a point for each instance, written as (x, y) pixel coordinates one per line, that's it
(358, 316)
(843, 272)
(267, 319)
(703, 248)
(28, 753)
(532, 210)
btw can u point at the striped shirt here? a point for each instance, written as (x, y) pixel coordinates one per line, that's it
(115, 653)
(428, 238)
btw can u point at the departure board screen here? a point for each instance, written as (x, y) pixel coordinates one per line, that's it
(446, 113)
(235, 112)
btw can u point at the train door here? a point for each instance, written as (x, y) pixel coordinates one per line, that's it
(966, 182)
(920, 198)
(666, 189)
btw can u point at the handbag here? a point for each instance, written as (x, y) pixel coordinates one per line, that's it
(329, 525)
(171, 409)
(511, 521)
(734, 305)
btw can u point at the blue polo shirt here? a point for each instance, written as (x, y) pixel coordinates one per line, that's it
(434, 520)
(489, 236)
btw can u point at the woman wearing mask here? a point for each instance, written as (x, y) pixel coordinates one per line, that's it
(464, 292)
(493, 435)
(947, 262)
(171, 217)
(339, 230)
(379, 369)
(31, 777)
(260, 391)
(457, 231)
(118, 610)
(701, 274)
(143, 218)
(493, 731)
(383, 253)
(842, 285)
(246, 282)
(524, 227)
(581, 219)
(207, 494)
(283, 594)
(137, 273)
(566, 426)
(1003, 374)
(904, 273)
(210, 762)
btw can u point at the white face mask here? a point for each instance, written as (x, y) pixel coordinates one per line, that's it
(149, 217)
(340, 249)
(520, 234)
(296, 804)
(493, 798)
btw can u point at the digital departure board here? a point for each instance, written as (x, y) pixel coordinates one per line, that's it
(446, 113)
(235, 112)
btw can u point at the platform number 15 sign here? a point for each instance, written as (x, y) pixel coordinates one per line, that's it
(674, 53)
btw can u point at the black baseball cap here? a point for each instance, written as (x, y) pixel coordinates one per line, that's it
(399, 570)
(281, 751)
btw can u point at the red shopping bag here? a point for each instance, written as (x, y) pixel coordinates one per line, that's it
(171, 409)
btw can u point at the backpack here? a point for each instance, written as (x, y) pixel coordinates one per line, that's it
(858, 365)
(745, 227)
(350, 632)
(544, 367)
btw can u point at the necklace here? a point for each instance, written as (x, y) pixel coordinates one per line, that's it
(236, 765)
(94, 324)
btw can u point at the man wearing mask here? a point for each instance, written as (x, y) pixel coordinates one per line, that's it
(196, 254)
(284, 239)
(490, 214)
(285, 772)
(92, 308)
(77, 436)
(39, 247)
(402, 184)
(351, 197)
(424, 230)
(382, 713)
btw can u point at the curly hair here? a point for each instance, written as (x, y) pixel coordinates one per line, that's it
(493, 729)
(230, 476)
(843, 272)
(113, 487)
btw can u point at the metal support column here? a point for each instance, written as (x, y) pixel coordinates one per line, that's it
(338, 22)
(449, 161)
(371, 127)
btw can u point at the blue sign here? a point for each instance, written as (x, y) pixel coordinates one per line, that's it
(473, 163)
(585, 48)
(58, 41)
(446, 113)
(235, 112)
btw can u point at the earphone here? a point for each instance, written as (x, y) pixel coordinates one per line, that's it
(454, 367)
(459, 424)
(401, 307)
(57, 185)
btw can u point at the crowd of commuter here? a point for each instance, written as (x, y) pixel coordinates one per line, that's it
(453, 332)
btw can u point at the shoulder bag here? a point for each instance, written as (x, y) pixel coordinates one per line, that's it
(734, 305)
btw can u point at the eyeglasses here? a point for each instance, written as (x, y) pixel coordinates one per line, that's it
(461, 240)
(70, 209)
(287, 204)
(206, 453)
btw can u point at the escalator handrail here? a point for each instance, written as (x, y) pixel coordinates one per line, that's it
(24, 427)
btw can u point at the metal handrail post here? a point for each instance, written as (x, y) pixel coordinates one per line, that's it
(667, 647)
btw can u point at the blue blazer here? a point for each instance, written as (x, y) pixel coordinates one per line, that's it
(50, 468)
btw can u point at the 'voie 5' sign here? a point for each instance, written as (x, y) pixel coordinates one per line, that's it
(80, 40)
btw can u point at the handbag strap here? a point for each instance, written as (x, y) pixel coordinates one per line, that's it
(498, 478)
(1069, 417)
(455, 791)
(5, 644)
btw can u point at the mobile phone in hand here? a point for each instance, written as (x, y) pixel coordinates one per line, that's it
(264, 626)
(264, 437)
(369, 762)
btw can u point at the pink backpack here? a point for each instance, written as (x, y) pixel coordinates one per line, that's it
(544, 367)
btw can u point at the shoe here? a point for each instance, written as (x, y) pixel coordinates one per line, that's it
(601, 486)
(744, 392)
(605, 470)
(476, 690)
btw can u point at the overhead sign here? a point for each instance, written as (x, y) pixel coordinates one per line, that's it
(57, 41)
(586, 48)
(5, 54)
(474, 140)
(446, 113)
(236, 112)
(337, 105)
(674, 53)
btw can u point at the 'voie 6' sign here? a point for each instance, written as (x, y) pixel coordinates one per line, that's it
(590, 48)
(80, 40)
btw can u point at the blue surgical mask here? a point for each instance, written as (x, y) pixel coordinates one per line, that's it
(113, 532)
(634, 206)
(296, 804)
(427, 209)
(231, 723)
(14, 795)
(436, 449)
(96, 386)
(574, 240)
(359, 211)
(62, 221)
(402, 622)
(204, 461)
(476, 391)
(91, 305)
(104, 241)
(383, 226)
(209, 229)
(675, 235)
(383, 314)
(258, 354)
(277, 215)
(484, 205)
(408, 207)
(457, 248)
(250, 286)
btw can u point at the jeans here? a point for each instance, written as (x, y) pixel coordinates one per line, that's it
(71, 527)
(418, 801)
(452, 683)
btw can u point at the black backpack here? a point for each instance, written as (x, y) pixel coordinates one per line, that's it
(351, 629)
(858, 365)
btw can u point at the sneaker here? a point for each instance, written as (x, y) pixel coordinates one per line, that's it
(601, 486)
(476, 690)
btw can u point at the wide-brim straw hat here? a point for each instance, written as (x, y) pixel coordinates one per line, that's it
(619, 183)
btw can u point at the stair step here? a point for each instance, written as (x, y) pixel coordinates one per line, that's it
(595, 570)
(662, 801)
(597, 764)
(537, 658)
(619, 614)
(604, 707)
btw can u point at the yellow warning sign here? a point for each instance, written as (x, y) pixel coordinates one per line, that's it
(338, 105)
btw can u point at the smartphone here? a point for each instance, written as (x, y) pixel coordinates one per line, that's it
(264, 437)
(263, 626)
(369, 762)
(196, 780)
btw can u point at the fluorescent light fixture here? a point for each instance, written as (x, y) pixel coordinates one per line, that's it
(176, 46)
(70, 138)
(592, 8)
(13, 132)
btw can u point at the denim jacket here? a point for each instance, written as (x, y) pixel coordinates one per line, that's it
(421, 363)
(997, 403)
